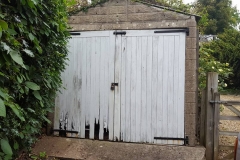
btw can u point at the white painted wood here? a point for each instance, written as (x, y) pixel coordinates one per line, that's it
(117, 74)
(84, 88)
(149, 89)
(165, 89)
(111, 80)
(97, 79)
(102, 85)
(92, 105)
(149, 101)
(138, 89)
(170, 84)
(144, 90)
(123, 88)
(128, 90)
(181, 85)
(133, 88)
(160, 90)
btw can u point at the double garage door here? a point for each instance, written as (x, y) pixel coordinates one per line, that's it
(124, 86)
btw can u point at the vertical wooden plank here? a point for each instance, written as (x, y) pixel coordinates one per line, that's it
(144, 90)
(84, 89)
(88, 89)
(133, 90)
(181, 86)
(149, 90)
(170, 106)
(212, 84)
(202, 117)
(97, 78)
(154, 87)
(76, 126)
(111, 80)
(123, 88)
(216, 122)
(165, 89)
(107, 50)
(138, 89)
(175, 85)
(102, 85)
(159, 111)
(128, 90)
(117, 88)
(92, 88)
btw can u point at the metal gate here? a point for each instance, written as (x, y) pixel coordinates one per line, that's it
(124, 86)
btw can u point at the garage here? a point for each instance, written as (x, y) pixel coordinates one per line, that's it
(129, 84)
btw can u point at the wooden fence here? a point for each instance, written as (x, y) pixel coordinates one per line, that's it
(210, 117)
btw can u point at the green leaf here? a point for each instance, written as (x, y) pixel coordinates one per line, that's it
(16, 110)
(0, 31)
(2, 108)
(30, 110)
(30, 3)
(17, 58)
(5, 47)
(8, 157)
(3, 24)
(31, 36)
(6, 148)
(21, 135)
(37, 95)
(32, 86)
(12, 32)
(16, 146)
(3, 95)
(23, 2)
(47, 120)
(19, 79)
(30, 53)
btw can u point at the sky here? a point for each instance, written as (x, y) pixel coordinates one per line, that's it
(234, 3)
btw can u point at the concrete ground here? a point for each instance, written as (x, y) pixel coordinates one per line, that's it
(78, 149)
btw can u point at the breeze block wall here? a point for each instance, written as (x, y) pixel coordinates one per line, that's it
(128, 15)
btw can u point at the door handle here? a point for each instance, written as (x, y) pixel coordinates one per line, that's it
(113, 86)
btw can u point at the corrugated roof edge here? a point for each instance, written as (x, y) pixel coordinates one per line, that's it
(170, 9)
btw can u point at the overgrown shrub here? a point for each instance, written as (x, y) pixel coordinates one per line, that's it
(207, 63)
(226, 49)
(33, 39)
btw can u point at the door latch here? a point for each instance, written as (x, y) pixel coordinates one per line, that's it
(113, 86)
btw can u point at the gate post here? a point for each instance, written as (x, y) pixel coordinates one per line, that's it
(211, 88)
(203, 118)
(216, 122)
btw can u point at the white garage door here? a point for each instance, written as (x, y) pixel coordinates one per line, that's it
(124, 86)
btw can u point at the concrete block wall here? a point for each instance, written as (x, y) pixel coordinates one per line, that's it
(128, 15)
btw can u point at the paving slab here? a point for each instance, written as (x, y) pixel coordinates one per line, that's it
(83, 149)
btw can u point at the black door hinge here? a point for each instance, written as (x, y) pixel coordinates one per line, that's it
(186, 140)
(119, 33)
(75, 33)
(174, 31)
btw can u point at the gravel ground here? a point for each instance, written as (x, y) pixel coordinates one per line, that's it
(226, 125)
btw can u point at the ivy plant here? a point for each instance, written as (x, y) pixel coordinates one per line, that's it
(33, 46)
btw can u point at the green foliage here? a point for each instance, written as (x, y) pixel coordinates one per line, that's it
(227, 50)
(33, 39)
(75, 6)
(221, 15)
(207, 63)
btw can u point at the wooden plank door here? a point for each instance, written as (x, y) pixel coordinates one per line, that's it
(85, 105)
(149, 102)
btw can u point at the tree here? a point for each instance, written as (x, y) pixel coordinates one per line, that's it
(227, 49)
(33, 39)
(221, 15)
